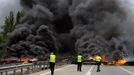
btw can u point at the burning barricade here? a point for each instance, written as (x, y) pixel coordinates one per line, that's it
(22, 60)
(105, 61)
(121, 61)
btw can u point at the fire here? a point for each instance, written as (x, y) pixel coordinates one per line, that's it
(24, 59)
(104, 59)
(121, 61)
(93, 57)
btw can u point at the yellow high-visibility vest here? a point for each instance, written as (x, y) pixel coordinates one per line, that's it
(52, 58)
(79, 58)
(98, 58)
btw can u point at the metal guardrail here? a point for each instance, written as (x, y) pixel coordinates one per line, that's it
(23, 69)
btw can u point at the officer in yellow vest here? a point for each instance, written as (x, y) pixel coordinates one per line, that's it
(98, 62)
(79, 62)
(52, 60)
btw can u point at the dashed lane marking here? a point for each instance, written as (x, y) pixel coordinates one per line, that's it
(90, 70)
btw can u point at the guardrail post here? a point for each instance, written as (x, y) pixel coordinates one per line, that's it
(43, 64)
(6, 72)
(14, 72)
(21, 71)
(40, 66)
(35, 66)
(1, 73)
(28, 70)
(47, 64)
(32, 67)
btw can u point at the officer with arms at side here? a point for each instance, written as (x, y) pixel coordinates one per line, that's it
(98, 62)
(79, 62)
(52, 60)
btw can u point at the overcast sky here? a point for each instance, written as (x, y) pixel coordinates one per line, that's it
(7, 5)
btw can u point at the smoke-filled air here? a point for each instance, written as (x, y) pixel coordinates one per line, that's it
(81, 26)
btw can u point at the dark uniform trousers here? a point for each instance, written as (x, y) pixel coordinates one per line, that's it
(98, 66)
(52, 66)
(79, 66)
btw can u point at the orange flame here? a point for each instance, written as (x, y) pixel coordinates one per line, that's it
(121, 61)
(93, 58)
(24, 60)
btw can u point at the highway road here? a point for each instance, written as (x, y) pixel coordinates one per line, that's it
(90, 70)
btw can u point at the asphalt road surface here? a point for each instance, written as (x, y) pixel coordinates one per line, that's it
(90, 70)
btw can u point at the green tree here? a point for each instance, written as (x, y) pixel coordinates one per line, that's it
(10, 22)
(18, 17)
(9, 25)
(1, 41)
(1, 38)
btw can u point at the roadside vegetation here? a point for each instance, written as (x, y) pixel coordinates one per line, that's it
(9, 25)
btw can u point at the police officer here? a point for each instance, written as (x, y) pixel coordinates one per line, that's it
(52, 61)
(98, 62)
(79, 62)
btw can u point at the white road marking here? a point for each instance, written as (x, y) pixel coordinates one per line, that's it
(57, 69)
(131, 73)
(90, 71)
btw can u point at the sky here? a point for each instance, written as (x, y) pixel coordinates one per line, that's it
(14, 5)
(6, 6)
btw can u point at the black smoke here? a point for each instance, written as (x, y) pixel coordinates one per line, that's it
(91, 26)
(97, 27)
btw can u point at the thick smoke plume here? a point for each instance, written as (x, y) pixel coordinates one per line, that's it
(87, 26)
(36, 35)
(97, 26)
